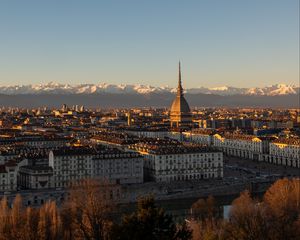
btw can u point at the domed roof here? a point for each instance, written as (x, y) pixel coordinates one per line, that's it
(180, 105)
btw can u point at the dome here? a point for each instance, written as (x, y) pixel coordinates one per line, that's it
(180, 112)
(180, 105)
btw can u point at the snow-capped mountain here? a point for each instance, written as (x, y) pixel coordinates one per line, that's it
(279, 89)
(57, 88)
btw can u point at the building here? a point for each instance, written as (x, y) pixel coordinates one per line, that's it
(75, 163)
(47, 141)
(148, 132)
(180, 113)
(8, 175)
(241, 145)
(200, 136)
(114, 139)
(169, 160)
(284, 151)
(35, 177)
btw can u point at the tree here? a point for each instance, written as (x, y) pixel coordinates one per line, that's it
(31, 224)
(208, 229)
(198, 209)
(205, 222)
(204, 209)
(49, 225)
(247, 219)
(149, 223)
(90, 206)
(67, 223)
(4, 218)
(17, 218)
(283, 204)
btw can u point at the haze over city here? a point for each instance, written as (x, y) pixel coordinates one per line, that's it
(221, 43)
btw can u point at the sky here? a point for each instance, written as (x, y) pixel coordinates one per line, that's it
(237, 43)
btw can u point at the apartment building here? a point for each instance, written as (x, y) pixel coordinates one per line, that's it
(8, 175)
(169, 160)
(284, 151)
(75, 163)
(241, 145)
(200, 136)
(35, 177)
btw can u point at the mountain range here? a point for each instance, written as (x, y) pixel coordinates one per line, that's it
(57, 88)
(125, 96)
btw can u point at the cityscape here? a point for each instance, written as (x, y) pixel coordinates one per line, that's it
(123, 160)
(205, 151)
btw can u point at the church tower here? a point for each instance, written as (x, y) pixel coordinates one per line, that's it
(180, 113)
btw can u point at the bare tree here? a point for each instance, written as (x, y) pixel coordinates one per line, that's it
(90, 206)
(67, 223)
(31, 224)
(17, 218)
(4, 218)
(49, 226)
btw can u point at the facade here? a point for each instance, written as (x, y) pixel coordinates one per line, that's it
(7, 179)
(5, 156)
(180, 113)
(71, 164)
(35, 177)
(113, 139)
(244, 146)
(148, 133)
(200, 136)
(284, 152)
(8, 175)
(170, 160)
(47, 142)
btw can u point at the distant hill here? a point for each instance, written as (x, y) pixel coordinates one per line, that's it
(162, 99)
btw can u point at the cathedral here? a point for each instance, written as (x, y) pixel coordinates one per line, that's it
(180, 113)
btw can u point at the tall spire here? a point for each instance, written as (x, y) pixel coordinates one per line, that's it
(179, 88)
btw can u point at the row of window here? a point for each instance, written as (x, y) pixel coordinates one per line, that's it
(186, 177)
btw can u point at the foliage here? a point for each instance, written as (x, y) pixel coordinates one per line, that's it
(275, 217)
(150, 223)
(204, 209)
(88, 212)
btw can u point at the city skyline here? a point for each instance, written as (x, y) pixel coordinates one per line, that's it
(149, 120)
(234, 43)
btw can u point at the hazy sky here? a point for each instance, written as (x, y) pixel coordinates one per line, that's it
(220, 42)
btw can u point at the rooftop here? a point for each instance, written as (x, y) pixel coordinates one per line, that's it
(168, 146)
(289, 141)
(37, 167)
(96, 152)
(115, 137)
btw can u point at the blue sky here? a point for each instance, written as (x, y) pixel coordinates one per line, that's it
(234, 42)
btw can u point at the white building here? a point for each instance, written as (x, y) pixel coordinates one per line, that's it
(8, 175)
(200, 136)
(47, 142)
(35, 177)
(113, 139)
(70, 164)
(148, 133)
(285, 151)
(244, 146)
(170, 160)
(5, 156)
